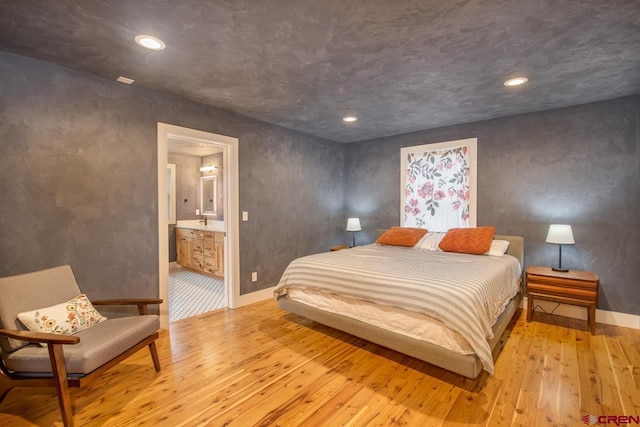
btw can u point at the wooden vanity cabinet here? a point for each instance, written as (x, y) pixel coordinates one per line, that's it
(184, 250)
(219, 253)
(210, 265)
(200, 250)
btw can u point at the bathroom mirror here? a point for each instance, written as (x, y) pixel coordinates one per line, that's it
(171, 190)
(208, 195)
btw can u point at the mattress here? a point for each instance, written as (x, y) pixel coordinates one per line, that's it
(408, 323)
(461, 295)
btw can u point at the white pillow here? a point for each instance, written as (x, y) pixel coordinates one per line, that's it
(498, 248)
(430, 241)
(67, 318)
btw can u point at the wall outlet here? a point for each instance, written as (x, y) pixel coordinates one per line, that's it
(254, 276)
(197, 211)
(245, 216)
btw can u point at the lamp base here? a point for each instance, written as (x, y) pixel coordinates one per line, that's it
(561, 270)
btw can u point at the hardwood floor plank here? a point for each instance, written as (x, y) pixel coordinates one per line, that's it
(258, 365)
(259, 370)
(529, 394)
(609, 398)
(627, 387)
(513, 372)
(298, 408)
(548, 405)
(357, 411)
(568, 393)
(286, 394)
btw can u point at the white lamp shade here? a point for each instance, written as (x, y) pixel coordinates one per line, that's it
(560, 234)
(353, 224)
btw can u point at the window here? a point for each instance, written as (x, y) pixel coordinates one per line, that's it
(438, 185)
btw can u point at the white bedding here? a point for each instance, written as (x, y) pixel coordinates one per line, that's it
(466, 293)
(409, 323)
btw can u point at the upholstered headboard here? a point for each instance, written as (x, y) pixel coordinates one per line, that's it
(516, 246)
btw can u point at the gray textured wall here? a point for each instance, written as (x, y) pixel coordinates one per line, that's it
(187, 185)
(295, 191)
(578, 165)
(187, 188)
(78, 181)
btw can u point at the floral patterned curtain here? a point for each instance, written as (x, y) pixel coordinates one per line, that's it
(437, 189)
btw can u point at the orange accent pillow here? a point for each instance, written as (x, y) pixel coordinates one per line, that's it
(476, 241)
(401, 236)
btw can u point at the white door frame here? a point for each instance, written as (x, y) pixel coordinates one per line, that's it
(231, 215)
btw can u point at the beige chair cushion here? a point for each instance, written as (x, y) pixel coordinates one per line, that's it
(98, 345)
(30, 291)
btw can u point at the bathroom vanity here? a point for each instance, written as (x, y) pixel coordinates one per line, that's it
(200, 248)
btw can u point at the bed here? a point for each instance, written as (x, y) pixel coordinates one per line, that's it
(379, 293)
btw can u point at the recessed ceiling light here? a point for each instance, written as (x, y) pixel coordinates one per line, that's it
(125, 80)
(150, 42)
(516, 81)
(349, 119)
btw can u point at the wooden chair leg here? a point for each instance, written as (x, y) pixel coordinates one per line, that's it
(56, 354)
(5, 386)
(154, 356)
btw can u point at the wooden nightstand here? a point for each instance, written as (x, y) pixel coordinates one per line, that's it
(573, 287)
(338, 248)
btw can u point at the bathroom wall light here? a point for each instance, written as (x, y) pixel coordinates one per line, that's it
(150, 42)
(349, 119)
(207, 168)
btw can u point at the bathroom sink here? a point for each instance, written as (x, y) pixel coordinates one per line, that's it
(195, 224)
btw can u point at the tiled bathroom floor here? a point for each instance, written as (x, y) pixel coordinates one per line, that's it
(191, 293)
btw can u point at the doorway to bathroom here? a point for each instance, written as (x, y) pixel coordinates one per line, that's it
(195, 174)
(197, 221)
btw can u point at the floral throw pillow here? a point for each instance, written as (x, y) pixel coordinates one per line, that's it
(67, 318)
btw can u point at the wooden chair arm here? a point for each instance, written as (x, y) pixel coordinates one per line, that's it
(140, 302)
(39, 337)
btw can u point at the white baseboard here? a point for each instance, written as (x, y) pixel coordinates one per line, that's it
(253, 297)
(577, 312)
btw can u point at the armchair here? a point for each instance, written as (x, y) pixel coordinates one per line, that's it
(35, 359)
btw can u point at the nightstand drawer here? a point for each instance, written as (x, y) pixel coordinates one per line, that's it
(563, 291)
(561, 281)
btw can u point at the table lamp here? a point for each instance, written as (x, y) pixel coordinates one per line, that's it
(353, 225)
(560, 234)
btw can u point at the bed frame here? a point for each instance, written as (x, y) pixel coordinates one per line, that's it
(466, 365)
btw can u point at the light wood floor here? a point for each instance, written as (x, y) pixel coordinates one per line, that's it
(261, 366)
